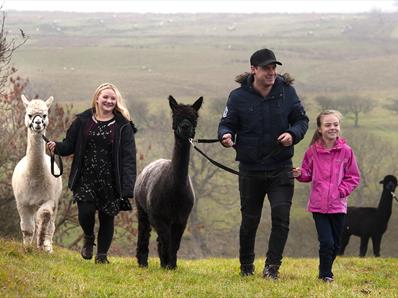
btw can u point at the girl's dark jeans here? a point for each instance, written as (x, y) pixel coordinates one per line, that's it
(278, 185)
(329, 228)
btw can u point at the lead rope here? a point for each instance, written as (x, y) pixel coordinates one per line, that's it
(275, 150)
(59, 159)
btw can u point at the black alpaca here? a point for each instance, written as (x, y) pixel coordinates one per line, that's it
(163, 191)
(367, 222)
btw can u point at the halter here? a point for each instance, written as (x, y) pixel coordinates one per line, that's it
(179, 129)
(394, 196)
(33, 117)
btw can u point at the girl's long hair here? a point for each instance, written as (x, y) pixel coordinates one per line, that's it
(120, 105)
(317, 135)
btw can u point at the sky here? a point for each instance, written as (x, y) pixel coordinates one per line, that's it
(205, 6)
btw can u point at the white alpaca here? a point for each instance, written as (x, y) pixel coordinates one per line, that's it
(36, 191)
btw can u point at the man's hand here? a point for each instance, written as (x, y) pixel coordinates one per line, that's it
(227, 140)
(285, 139)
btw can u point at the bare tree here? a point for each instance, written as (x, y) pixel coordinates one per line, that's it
(355, 105)
(7, 49)
(326, 103)
(392, 105)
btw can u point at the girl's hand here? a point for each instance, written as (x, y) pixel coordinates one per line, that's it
(296, 172)
(51, 146)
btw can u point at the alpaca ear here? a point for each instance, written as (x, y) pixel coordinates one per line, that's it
(49, 101)
(198, 103)
(172, 102)
(24, 100)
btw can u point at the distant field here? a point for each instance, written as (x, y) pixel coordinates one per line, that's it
(150, 56)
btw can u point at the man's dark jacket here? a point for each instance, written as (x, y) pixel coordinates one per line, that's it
(258, 121)
(124, 151)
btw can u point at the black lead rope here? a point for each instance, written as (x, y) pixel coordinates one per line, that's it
(59, 161)
(275, 150)
(216, 163)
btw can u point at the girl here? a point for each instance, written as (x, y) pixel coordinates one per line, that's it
(330, 164)
(103, 170)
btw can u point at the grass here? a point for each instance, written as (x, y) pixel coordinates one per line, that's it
(65, 274)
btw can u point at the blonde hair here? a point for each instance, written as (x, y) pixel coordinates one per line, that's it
(120, 105)
(317, 134)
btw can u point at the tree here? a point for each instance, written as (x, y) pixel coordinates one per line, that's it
(7, 49)
(355, 105)
(392, 105)
(326, 103)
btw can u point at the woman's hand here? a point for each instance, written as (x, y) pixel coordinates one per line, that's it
(51, 146)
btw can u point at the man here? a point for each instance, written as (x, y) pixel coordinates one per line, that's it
(263, 119)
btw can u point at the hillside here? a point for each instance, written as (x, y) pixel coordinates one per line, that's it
(152, 55)
(65, 274)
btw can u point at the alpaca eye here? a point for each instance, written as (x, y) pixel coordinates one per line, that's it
(30, 116)
(44, 116)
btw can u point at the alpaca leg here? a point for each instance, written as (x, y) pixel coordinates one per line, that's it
(164, 240)
(177, 230)
(364, 246)
(161, 253)
(345, 238)
(48, 242)
(376, 240)
(27, 224)
(144, 233)
(45, 222)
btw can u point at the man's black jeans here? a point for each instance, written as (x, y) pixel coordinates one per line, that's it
(329, 228)
(278, 185)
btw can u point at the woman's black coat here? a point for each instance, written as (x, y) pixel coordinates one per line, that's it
(124, 151)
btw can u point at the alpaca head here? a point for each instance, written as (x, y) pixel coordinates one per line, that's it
(389, 182)
(185, 117)
(36, 116)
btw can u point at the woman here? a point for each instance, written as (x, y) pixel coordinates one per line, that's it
(103, 170)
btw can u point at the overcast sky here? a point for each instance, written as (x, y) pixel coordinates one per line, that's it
(190, 6)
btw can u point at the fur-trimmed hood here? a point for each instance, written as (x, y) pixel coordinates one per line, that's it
(246, 78)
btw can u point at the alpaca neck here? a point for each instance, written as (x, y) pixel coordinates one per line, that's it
(35, 151)
(180, 160)
(385, 204)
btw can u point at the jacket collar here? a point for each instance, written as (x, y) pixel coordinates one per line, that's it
(247, 84)
(319, 145)
(89, 113)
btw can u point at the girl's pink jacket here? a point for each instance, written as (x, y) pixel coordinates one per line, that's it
(334, 174)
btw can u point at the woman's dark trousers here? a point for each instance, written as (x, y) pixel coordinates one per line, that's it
(279, 187)
(329, 228)
(106, 225)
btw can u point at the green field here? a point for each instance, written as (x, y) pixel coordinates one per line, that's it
(65, 274)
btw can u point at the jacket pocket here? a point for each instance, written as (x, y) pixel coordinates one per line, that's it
(285, 154)
(247, 149)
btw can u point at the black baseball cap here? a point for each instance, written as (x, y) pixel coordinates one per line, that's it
(263, 57)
